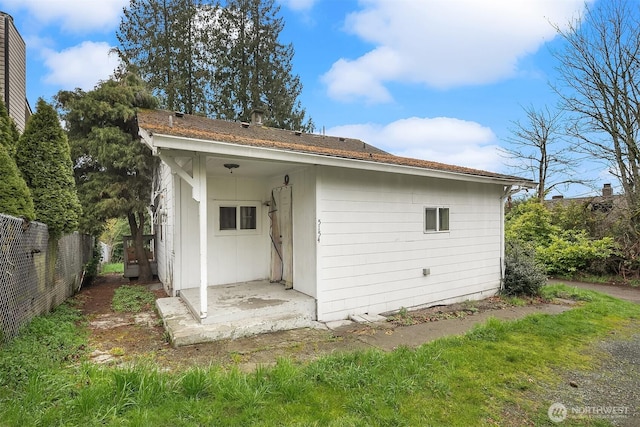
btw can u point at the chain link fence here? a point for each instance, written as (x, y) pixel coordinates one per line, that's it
(36, 275)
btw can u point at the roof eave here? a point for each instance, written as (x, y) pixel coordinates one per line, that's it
(158, 141)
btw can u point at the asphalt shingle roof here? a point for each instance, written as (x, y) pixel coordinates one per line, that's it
(198, 127)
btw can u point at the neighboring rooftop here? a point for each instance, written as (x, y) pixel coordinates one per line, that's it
(604, 202)
(256, 135)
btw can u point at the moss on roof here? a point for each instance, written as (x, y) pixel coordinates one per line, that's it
(203, 128)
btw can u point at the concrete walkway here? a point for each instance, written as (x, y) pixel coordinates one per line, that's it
(387, 338)
(622, 292)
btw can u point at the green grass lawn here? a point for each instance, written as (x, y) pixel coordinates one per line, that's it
(458, 381)
(112, 267)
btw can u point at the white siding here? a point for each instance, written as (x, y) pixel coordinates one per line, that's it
(372, 249)
(232, 258)
(303, 184)
(237, 257)
(165, 220)
(187, 238)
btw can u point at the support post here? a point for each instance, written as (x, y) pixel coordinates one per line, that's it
(200, 176)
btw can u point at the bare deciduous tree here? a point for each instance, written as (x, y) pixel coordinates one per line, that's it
(537, 148)
(599, 84)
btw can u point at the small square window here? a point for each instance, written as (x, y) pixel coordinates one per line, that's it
(248, 217)
(436, 219)
(227, 217)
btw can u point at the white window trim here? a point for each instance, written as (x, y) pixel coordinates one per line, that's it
(217, 204)
(437, 209)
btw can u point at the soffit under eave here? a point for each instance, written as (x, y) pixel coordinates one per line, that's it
(195, 146)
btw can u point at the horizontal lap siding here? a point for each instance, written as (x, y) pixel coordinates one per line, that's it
(372, 249)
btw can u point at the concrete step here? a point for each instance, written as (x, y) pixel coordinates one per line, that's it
(184, 329)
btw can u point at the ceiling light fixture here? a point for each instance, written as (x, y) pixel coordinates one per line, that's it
(231, 166)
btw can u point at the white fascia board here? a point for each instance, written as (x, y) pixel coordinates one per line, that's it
(160, 141)
(147, 139)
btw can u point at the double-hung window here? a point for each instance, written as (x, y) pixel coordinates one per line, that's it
(436, 219)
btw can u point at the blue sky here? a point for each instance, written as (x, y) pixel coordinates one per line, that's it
(435, 79)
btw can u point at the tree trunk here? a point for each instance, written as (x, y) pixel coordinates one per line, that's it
(137, 232)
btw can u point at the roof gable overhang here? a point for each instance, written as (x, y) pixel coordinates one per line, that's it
(164, 143)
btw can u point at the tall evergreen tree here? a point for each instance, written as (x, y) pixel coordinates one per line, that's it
(167, 42)
(224, 62)
(9, 130)
(256, 70)
(114, 171)
(15, 197)
(44, 158)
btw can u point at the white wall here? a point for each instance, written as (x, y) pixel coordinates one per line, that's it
(239, 256)
(164, 228)
(303, 184)
(187, 238)
(372, 247)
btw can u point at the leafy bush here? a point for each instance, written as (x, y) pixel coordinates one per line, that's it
(91, 267)
(573, 251)
(530, 224)
(523, 274)
(561, 249)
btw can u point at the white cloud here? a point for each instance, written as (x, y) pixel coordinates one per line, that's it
(441, 139)
(80, 66)
(442, 44)
(74, 16)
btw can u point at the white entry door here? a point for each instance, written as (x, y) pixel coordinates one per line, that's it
(281, 233)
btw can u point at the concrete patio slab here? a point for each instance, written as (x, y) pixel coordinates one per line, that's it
(235, 311)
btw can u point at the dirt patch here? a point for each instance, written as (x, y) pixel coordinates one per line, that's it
(456, 311)
(122, 337)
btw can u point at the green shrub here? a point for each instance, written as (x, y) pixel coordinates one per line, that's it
(530, 224)
(523, 274)
(572, 252)
(15, 197)
(91, 267)
(44, 159)
(556, 239)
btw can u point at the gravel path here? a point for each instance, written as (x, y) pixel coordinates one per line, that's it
(611, 391)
